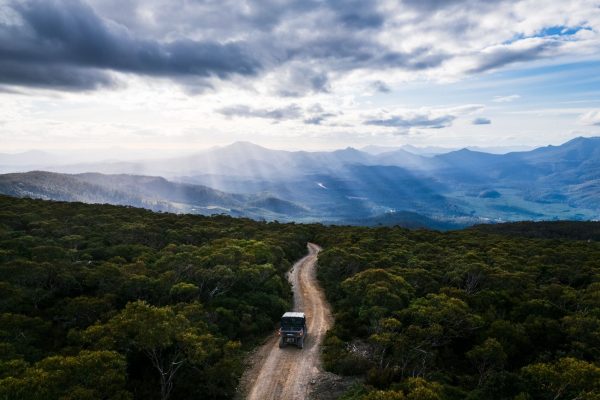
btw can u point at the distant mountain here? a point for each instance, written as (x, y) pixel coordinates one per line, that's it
(241, 159)
(374, 149)
(403, 158)
(578, 157)
(567, 174)
(500, 149)
(52, 186)
(155, 193)
(553, 182)
(427, 150)
(26, 160)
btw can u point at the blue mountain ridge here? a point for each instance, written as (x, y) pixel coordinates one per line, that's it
(457, 188)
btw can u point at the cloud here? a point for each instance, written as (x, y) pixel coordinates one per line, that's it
(590, 118)
(497, 56)
(414, 121)
(423, 118)
(432, 5)
(506, 99)
(62, 77)
(358, 14)
(318, 119)
(72, 40)
(313, 115)
(300, 47)
(481, 121)
(464, 109)
(291, 111)
(341, 50)
(65, 44)
(297, 81)
(381, 87)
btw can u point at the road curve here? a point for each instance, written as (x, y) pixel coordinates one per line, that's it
(285, 374)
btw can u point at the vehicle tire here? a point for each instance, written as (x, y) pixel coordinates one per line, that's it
(281, 343)
(300, 343)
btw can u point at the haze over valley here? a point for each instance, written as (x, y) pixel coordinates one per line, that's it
(349, 186)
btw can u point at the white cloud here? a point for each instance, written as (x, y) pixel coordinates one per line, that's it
(344, 58)
(506, 99)
(590, 118)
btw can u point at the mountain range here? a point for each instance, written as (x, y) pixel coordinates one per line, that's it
(155, 193)
(369, 186)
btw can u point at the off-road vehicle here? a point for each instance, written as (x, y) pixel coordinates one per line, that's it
(293, 329)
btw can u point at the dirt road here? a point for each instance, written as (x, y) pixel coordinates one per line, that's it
(285, 374)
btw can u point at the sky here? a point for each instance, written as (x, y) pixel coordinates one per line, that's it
(181, 75)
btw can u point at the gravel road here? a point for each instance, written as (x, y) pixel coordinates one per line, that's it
(286, 374)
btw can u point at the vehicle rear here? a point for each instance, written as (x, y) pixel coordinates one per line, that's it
(293, 329)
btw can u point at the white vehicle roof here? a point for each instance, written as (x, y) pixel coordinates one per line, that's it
(293, 315)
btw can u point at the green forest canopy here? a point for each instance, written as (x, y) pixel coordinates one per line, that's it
(106, 302)
(469, 314)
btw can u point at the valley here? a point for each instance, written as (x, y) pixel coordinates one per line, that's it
(442, 191)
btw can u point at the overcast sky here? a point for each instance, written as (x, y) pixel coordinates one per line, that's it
(297, 74)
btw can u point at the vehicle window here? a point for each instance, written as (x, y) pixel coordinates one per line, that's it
(292, 322)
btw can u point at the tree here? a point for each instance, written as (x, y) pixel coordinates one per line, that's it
(422, 389)
(487, 357)
(167, 338)
(442, 318)
(22, 335)
(377, 293)
(81, 311)
(567, 378)
(384, 395)
(88, 375)
(384, 338)
(412, 389)
(183, 291)
(584, 334)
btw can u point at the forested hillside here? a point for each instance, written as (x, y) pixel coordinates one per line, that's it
(106, 302)
(485, 313)
(151, 192)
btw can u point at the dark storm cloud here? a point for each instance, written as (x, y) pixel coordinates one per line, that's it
(506, 55)
(292, 111)
(345, 51)
(305, 44)
(78, 48)
(481, 121)
(65, 44)
(63, 77)
(357, 14)
(418, 121)
(355, 20)
(221, 18)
